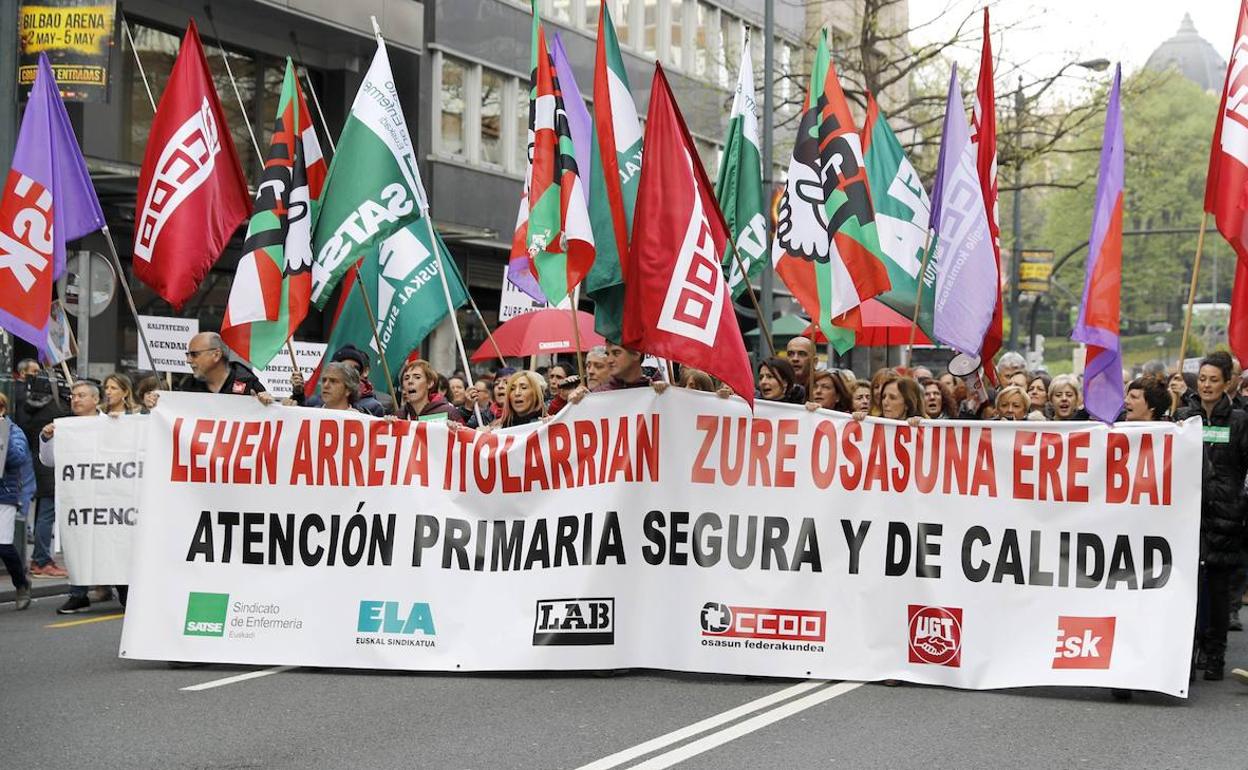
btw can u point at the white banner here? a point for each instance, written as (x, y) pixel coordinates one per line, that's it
(168, 338)
(513, 302)
(672, 531)
(276, 376)
(99, 467)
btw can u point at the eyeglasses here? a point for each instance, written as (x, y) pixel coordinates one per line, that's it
(192, 354)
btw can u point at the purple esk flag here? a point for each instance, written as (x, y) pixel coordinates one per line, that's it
(966, 268)
(579, 123)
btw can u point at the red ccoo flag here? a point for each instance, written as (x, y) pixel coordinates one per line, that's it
(676, 302)
(192, 192)
(985, 140)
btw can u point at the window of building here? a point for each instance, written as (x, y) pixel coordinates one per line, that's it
(593, 9)
(730, 32)
(705, 42)
(676, 39)
(492, 86)
(561, 10)
(625, 11)
(520, 135)
(708, 152)
(650, 27)
(784, 71)
(451, 102)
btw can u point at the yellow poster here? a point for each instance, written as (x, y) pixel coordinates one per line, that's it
(76, 36)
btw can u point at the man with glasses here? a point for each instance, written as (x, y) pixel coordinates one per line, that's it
(213, 370)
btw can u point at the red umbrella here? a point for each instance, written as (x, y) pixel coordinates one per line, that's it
(541, 332)
(881, 326)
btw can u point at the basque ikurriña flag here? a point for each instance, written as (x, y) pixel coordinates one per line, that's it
(676, 300)
(273, 283)
(962, 260)
(48, 200)
(1226, 188)
(826, 242)
(1102, 289)
(192, 191)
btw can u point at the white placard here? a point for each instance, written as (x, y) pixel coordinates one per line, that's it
(513, 302)
(168, 338)
(276, 376)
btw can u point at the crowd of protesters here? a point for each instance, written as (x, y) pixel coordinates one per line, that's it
(1217, 394)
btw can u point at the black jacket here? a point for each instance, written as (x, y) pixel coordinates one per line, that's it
(240, 382)
(37, 407)
(1225, 464)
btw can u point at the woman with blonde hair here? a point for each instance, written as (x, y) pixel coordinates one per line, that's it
(1065, 398)
(524, 401)
(118, 396)
(1013, 403)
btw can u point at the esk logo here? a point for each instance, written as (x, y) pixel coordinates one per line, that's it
(1084, 642)
(935, 635)
(205, 614)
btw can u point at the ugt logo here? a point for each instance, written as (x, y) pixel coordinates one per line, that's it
(935, 635)
(1084, 642)
(205, 614)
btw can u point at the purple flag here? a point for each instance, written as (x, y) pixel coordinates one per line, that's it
(48, 200)
(1102, 287)
(579, 123)
(966, 267)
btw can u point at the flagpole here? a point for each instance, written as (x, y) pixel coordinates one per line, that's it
(1191, 292)
(423, 200)
(316, 102)
(576, 332)
(762, 323)
(230, 71)
(488, 334)
(125, 286)
(918, 296)
(372, 324)
(138, 62)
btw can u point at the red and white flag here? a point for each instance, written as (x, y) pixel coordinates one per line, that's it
(192, 191)
(1226, 189)
(676, 301)
(984, 138)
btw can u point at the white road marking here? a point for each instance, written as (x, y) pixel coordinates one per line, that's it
(676, 736)
(706, 743)
(237, 678)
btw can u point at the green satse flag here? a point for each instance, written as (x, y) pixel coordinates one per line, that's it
(739, 187)
(614, 173)
(401, 277)
(371, 191)
(902, 210)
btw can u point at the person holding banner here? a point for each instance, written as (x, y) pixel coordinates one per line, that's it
(597, 370)
(417, 381)
(777, 381)
(861, 401)
(340, 389)
(878, 380)
(1222, 507)
(119, 396)
(17, 489)
(525, 402)
(1064, 399)
(1013, 404)
(829, 392)
(938, 401)
(213, 370)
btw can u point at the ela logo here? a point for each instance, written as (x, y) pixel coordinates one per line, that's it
(205, 614)
(1084, 642)
(385, 618)
(935, 635)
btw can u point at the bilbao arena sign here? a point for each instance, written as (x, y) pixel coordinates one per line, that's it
(673, 531)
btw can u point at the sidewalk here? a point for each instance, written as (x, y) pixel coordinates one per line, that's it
(39, 588)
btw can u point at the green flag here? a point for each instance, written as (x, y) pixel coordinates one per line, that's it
(739, 187)
(400, 277)
(902, 210)
(614, 173)
(372, 190)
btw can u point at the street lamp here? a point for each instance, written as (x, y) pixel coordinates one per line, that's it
(1094, 65)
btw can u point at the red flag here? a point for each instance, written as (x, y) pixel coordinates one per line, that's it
(192, 192)
(676, 302)
(1226, 189)
(985, 140)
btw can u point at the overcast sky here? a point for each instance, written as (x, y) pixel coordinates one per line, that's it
(1058, 31)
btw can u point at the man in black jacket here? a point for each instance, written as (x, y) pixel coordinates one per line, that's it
(214, 372)
(40, 404)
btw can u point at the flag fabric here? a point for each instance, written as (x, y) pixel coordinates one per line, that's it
(48, 201)
(273, 283)
(192, 193)
(676, 300)
(826, 240)
(558, 236)
(902, 214)
(400, 277)
(967, 281)
(520, 261)
(1226, 187)
(371, 191)
(1097, 326)
(739, 187)
(580, 124)
(614, 174)
(984, 137)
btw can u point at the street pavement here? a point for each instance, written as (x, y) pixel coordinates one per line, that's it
(68, 701)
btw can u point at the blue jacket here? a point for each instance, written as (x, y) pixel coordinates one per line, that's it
(17, 487)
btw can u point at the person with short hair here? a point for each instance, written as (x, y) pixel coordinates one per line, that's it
(555, 375)
(696, 379)
(421, 400)
(597, 372)
(830, 393)
(1147, 399)
(213, 371)
(1009, 364)
(17, 489)
(340, 387)
(938, 402)
(778, 382)
(802, 355)
(1012, 403)
(457, 390)
(861, 401)
(1038, 393)
(1065, 398)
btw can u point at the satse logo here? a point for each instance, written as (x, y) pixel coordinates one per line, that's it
(574, 622)
(205, 614)
(935, 635)
(763, 623)
(1084, 642)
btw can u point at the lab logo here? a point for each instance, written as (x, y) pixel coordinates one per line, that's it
(574, 622)
(935, 635)
(1084, 642)
(205, 614)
